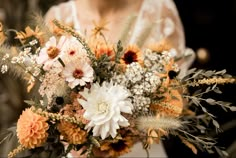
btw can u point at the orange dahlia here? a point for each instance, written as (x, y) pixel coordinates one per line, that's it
(32, 129)
(72, 133)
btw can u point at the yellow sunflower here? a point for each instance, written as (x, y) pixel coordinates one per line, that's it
(131, 54)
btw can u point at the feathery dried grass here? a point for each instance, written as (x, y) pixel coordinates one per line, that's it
(154, 122)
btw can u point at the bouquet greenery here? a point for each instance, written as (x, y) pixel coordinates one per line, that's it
(92, 96)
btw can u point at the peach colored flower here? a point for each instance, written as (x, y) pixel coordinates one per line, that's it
(31, 129)
(72, 133)
(161, 46)
(103, 48)
(30, 33)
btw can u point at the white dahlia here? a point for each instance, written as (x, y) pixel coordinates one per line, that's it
(103, 107)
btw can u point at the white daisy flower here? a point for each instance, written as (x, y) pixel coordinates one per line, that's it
(78, 73)
(103, 107)
(74, 50)
(51, 52)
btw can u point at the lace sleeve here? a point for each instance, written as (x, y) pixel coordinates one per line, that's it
(172, 30)
(62, 12)
(158, 20)
(171, 26)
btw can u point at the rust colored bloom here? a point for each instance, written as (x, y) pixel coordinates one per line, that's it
(31, 129)
(74, 110)
(132, 54)
(72, 133)
(117, 147)
(172, 105)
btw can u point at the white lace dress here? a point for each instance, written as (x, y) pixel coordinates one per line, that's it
(162, 16)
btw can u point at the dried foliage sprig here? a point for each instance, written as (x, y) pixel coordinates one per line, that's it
(16, 69)
(19, 149)
(211, 81)
(56, 116)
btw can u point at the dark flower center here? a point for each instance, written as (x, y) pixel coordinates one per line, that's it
(119, 146)
(72, 52)
(130, 57)
(172, 74)
(78, 73)
(59, 100)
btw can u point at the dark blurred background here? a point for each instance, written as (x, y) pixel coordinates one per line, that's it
(210, 31)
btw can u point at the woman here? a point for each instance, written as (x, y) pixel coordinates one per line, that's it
(154, 20)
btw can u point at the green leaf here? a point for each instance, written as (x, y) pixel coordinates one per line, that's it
(197, 73)
(217, 90)
(7, 134)
(29, 102)
(211, 101)
(233, 108)
(191, 71)
(204, 109)
(195, 101)
(213, 87)
(221, 72)
(215, 123)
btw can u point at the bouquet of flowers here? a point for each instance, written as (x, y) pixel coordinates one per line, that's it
(98, 98)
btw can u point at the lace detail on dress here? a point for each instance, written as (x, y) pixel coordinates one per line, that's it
(159, 15)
